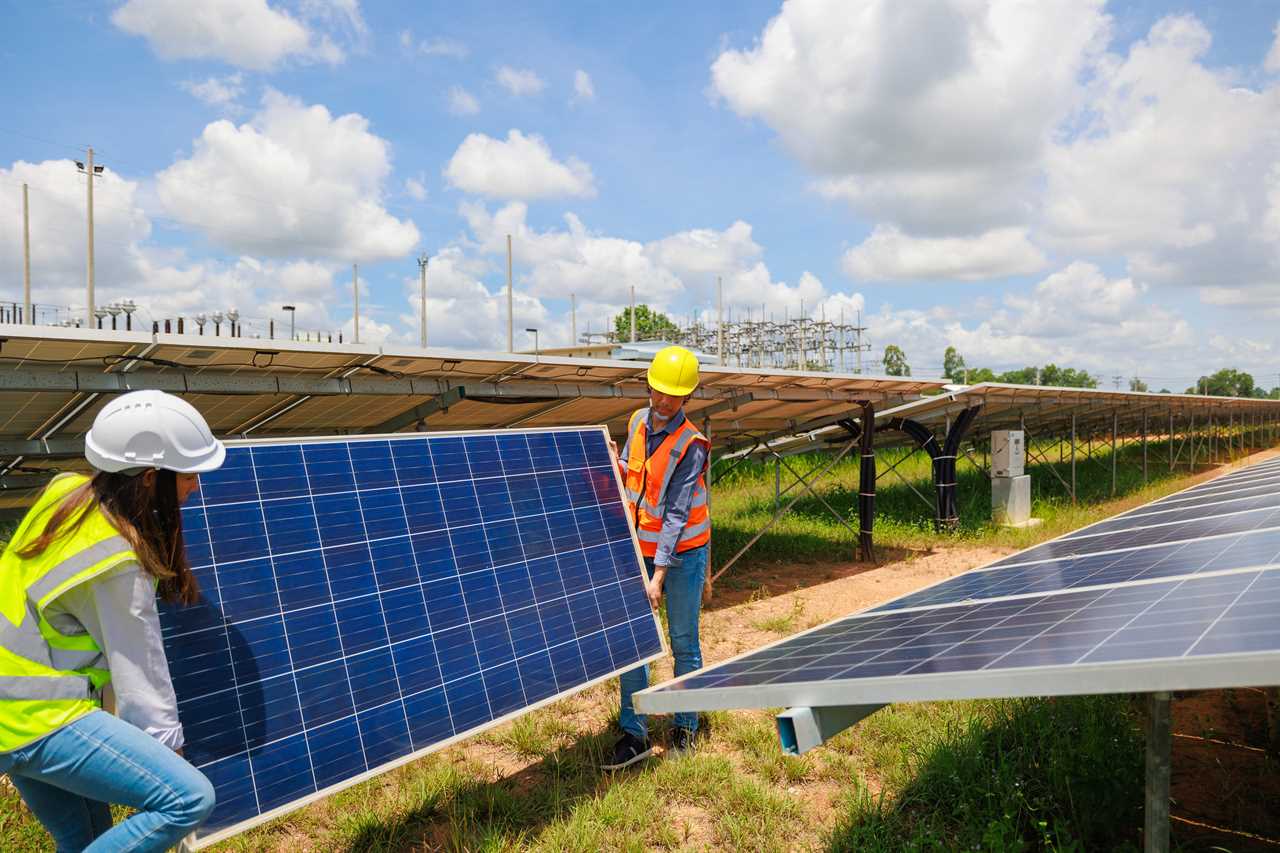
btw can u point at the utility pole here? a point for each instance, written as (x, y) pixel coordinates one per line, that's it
(1117, 379)
(858, 337)
(90, 171)
(27, 316)
(720, 318)
(510, 302)
(573, 319)
(422, 274)
(633, 313)
(355, 289)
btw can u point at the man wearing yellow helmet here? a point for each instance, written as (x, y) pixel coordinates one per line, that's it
(664, 466)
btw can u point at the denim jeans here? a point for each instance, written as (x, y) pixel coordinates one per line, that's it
(683, 593)
(67, 779)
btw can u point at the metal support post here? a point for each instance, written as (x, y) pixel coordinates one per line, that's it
(1155, 837)
(802, 729)
(867, 484)
(1170, 441)
(1073, 458)
(28, 316)
(1115, 427)
(777, 483)
(1144, 448)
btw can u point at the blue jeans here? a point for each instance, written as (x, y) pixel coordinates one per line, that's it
(67, 779)
(683, 593)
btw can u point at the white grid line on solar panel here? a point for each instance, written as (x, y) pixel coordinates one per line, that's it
(1041, 593)
(1222, 484)
(421, 583)
(1188, 491)
(346, 671)
(1007, 562)
(1255, 549)
(1111, 526)
(1236, 480)
(341, 492)
(904, 626)
(417, 567)
(311, 765)
(1253, 501)
(379, 539)
(1190, 498)
(395, 672)
(400, 698)
(1143, 522)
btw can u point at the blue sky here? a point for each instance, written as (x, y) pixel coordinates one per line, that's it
(1070, 181)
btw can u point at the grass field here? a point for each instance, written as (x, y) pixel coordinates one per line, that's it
(984, 775)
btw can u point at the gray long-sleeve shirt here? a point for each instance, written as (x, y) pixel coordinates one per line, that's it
(118, 609)
(679, 490)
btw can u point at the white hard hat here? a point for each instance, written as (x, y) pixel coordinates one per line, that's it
(152, 429)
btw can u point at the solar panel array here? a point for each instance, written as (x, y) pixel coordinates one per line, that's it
(1180, 593)
(367, 600)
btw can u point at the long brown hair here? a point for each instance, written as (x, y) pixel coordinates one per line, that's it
(148, 518)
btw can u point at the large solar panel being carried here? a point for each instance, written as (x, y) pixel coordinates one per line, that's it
(1152, 600)
(368, 600)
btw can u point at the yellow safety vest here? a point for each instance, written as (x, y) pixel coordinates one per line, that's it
(45, 682)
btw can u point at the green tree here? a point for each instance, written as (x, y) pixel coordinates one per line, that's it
(651, 325)
(895, 361)
(1050, 374)
(953, 365)
(1227, 382)
(1136, 384)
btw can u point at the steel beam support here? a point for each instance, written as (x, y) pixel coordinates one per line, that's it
(1073, 458)
(802, 729)
(439, 403)
(1155, 837)
(867, 484)
(1115, 428)
(1144, 448)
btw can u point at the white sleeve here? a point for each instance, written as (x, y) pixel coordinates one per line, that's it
(119, 612)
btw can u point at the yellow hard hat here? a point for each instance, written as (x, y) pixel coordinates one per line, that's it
(674, 371)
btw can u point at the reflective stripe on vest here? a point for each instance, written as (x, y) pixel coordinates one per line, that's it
(47, 586)
(45, 688)
(647, 480)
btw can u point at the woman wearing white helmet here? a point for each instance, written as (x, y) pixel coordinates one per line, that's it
(78, 587)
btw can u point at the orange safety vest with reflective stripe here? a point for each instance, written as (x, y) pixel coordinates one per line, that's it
(47, 679)
(646, 479)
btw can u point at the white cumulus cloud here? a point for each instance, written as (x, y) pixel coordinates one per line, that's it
(246, 33)
(519, 167)
(889, 254)
(292, 181)
(943, 139)
(519, 81)
(222, 93)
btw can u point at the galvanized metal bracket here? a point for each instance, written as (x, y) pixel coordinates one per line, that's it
(802, 729)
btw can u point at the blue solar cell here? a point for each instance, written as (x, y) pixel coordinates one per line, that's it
(366, 599)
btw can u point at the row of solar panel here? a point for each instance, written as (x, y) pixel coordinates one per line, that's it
(1230, 613)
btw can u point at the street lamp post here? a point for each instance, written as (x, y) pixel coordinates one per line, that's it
(233, 317)
(216, 317)
(90, 171)
(293, 310)
(128, 306)
(114, 310)
(534, 332)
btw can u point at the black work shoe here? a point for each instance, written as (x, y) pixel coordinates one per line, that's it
(628, 750)
(682, 740)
